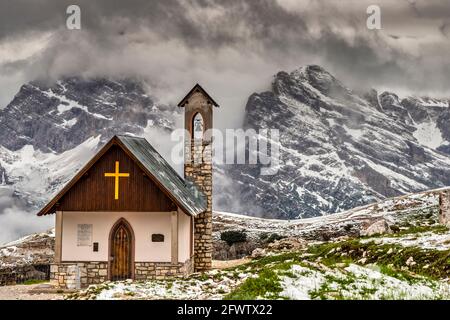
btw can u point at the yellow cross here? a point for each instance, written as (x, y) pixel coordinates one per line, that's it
(117, 175)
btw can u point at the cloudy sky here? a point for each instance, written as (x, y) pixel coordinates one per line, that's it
(232, 47)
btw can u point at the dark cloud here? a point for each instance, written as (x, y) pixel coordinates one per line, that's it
(232, 47)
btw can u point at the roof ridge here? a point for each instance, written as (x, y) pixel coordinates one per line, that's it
(128, 136)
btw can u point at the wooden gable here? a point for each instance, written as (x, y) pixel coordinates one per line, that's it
(96, 192)
(153, 185)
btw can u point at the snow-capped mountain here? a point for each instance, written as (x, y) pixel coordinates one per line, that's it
(48, 132)
(340, 149)
(61, 116)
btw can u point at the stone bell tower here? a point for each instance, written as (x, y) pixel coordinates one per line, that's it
(198, 119)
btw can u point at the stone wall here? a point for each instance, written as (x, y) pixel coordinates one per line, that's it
(198, 168)
(82, 274)
(78, 275)
(21, 274)
(444, 207)
(161, 270)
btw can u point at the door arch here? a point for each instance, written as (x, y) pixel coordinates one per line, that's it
(121, 251)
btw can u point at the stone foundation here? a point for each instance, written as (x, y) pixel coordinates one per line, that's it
(162, 270)
(76, 275)
(444, 207)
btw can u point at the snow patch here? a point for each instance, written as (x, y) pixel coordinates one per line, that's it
(428, 135)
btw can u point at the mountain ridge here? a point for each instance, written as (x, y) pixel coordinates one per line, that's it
(340, 149)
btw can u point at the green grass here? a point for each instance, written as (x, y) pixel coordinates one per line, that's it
(265, 285)
(389, 259)
(436, 262)
(438, 229)
(33, 281)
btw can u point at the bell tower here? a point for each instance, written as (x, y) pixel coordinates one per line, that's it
(198, 120)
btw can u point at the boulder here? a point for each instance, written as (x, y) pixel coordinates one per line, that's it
(222, 251)
(287, 244)
(258, 253)
(378, 227)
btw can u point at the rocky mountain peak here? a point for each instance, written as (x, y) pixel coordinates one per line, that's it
(340, 150)
(308, 83)
(59, 116)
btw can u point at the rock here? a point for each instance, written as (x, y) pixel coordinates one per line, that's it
(378, 227)
(287, 244)
(342, 238)
(410, 262)
(222, 251)
(259, 253)
(362, 260)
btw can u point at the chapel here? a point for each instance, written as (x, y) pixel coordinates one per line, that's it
(127, 214)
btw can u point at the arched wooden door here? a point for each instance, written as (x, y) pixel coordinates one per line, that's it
(121, 251)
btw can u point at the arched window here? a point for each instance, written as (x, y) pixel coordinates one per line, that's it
(197, 127)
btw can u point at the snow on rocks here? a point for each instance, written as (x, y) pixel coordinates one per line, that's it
(30, 250)
(371, 219)
(214, 284)
(378, 227)
(357, 282)
(424, 240)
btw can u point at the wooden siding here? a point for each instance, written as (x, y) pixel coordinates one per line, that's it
(95, 192)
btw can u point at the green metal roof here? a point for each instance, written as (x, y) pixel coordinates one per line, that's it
(184, 191)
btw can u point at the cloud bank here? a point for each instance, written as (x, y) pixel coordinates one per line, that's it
(232, 47)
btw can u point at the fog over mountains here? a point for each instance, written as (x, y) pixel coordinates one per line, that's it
(339, 148)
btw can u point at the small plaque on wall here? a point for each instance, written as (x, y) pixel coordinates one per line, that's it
(84, 235)
(156, 237)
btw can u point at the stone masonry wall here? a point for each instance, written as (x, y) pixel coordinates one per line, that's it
(199, 169)
(82, 274)
(161, 270)
(78, 275)
(444, 207)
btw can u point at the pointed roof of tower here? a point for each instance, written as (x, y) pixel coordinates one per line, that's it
(197, 88)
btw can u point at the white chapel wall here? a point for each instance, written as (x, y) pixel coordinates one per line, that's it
(144, 224)
(184, 234)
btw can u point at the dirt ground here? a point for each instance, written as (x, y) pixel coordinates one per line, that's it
(223, 264)
(21, 292)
